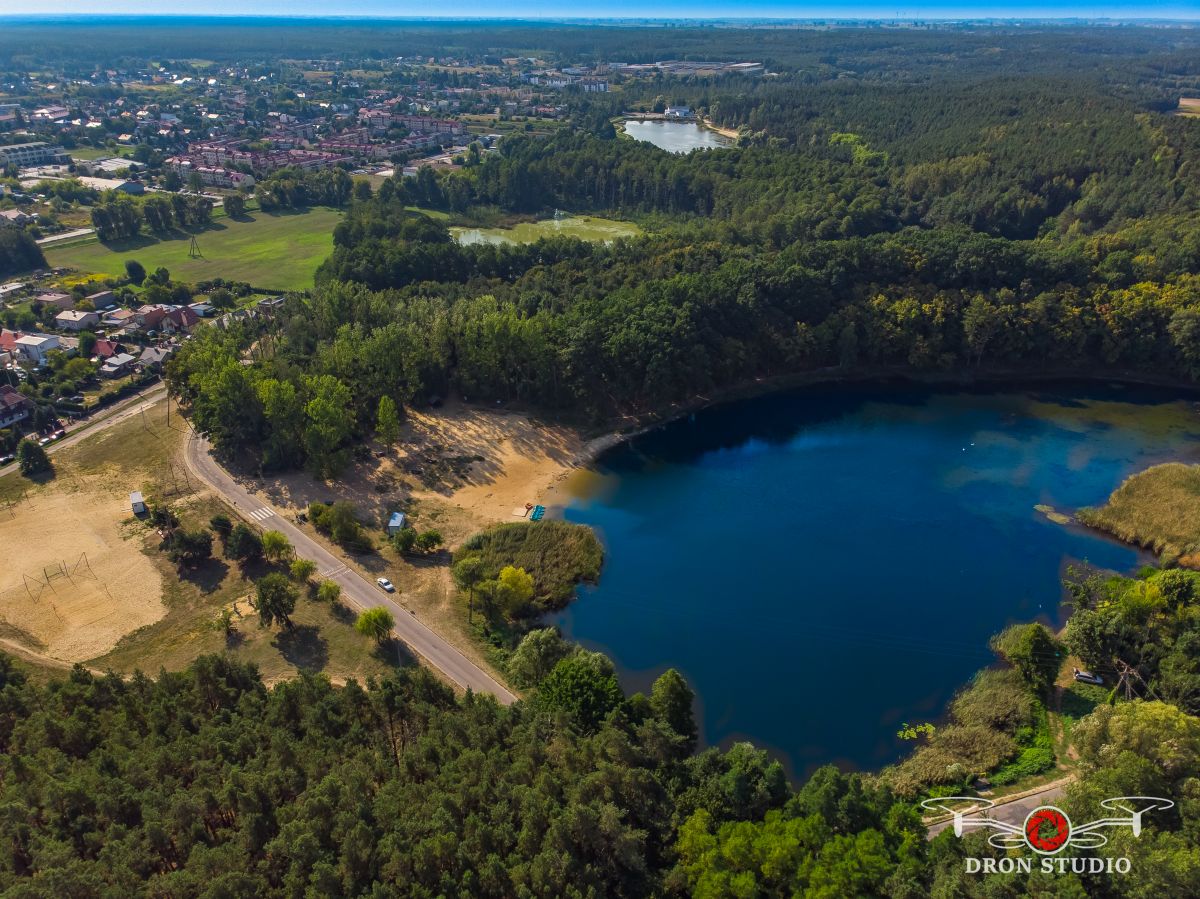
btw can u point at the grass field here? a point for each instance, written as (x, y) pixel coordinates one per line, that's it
(279, 251)
(1158, 508)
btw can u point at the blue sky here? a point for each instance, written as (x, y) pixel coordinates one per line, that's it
(617, 8)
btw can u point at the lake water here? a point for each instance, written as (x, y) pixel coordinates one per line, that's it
(584, 227)
(675, 137)
(826, 564)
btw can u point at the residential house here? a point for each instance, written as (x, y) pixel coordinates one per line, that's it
(153, 357)
(56, 300)
(8, 341)
(105, 349)
(117, 365)
(16, 218)
(102, 298)
(149, 317)
(179, 319)
(37, 347)
(14, 407)
(77, 320)
(119, 318)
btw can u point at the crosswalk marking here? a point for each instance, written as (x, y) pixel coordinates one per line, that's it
(336, 571)
(262, 514)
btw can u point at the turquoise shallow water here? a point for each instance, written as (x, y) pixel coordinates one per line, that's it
(825, 564)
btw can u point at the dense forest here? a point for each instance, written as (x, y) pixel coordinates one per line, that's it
(206, 783)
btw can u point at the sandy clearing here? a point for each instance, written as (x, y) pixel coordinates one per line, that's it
(484, 462)
(74, 576)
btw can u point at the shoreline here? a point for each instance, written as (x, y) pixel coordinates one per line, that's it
(604, 437)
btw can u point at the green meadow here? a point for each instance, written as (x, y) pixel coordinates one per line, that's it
(274, 251)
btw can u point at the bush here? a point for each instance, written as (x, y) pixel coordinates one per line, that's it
(340, 523)
(221, 525)
(243, 544)
(375, 623)
(302, 570)
(189, 548)
(329, 591)
(32, 458)
(557, 554)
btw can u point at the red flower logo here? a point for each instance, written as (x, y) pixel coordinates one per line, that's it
(1047, 830)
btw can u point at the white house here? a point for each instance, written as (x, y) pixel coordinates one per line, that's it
(77, 320)
(36, 347)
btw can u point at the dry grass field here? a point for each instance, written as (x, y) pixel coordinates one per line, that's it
(1189, 106)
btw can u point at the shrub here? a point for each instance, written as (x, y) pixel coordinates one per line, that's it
(557, 554)
(375, 623)
(32, 458)
(243, 543)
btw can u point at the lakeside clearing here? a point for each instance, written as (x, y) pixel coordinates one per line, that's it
(275, 251)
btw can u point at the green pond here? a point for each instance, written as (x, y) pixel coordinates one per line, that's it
(584, 227)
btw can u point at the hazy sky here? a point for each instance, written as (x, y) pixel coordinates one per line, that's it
(618, 8)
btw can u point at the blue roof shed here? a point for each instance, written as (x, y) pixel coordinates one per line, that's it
(396, 523)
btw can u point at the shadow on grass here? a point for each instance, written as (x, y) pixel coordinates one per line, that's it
(234, 639)
(343, 613)
(1080, 700)
(207, 577)
(303, 646)
(393, 652)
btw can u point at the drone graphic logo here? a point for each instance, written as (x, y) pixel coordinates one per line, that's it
(1047, 830)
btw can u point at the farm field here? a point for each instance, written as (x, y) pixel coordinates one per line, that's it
(275, 251)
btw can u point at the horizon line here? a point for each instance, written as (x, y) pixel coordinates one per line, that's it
(50, 16)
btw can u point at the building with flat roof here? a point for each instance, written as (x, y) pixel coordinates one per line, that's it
(33, 153)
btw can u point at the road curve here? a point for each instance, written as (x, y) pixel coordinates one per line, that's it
(357, 591)
(1016, 811)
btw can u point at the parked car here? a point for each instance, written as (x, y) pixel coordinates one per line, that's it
(7, 459)
(387, 585)
(1086, 677)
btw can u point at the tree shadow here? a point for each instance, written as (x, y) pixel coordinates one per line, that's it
(393, 652)
(234, 638)
(208, 576)
(343, 613)
(303, 646)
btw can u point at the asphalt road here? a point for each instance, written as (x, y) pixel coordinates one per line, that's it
(115, 414)
(1014, 812)
(357, 591)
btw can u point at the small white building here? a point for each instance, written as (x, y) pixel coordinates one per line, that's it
(137, 503)
(396, 523)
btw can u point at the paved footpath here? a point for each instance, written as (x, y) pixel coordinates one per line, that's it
(1016, 811)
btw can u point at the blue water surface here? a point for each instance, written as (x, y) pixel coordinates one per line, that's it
(823, 565)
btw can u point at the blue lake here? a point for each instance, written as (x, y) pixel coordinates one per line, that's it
(823, 565)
